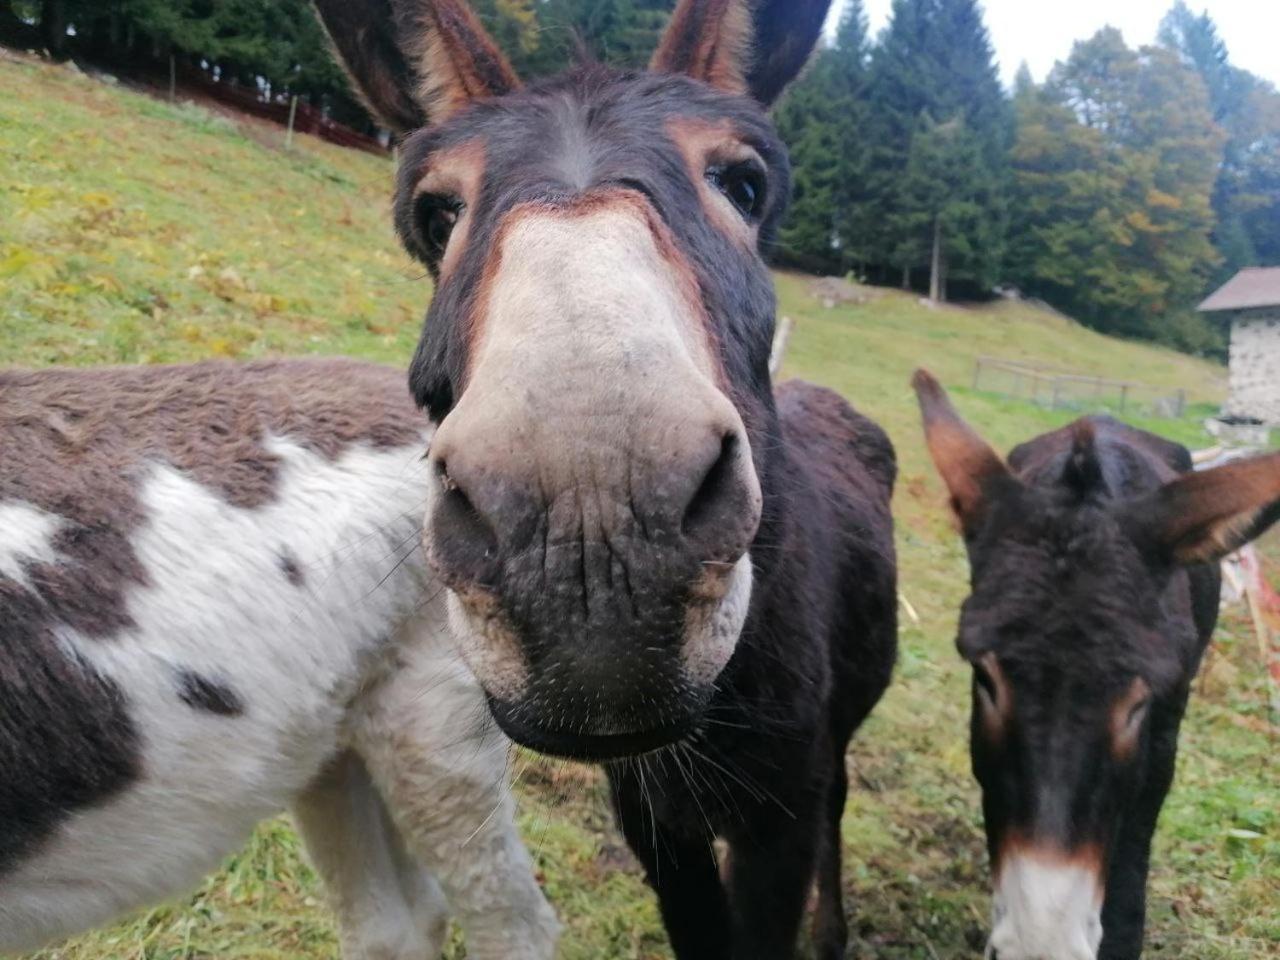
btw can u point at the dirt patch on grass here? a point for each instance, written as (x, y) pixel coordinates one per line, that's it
(837, 291)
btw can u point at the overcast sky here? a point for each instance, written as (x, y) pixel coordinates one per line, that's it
(1042, 31)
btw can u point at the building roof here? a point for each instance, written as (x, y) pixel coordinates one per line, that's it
(1251, 287)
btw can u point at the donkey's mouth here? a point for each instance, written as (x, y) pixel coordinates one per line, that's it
(588, 747)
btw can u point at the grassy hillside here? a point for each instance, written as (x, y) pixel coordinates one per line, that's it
(136, 231)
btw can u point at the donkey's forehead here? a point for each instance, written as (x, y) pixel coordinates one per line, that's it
(1082, 619)
(572, 126)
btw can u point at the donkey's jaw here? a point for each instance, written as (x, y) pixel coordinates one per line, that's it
(544, 706)
(586, 747)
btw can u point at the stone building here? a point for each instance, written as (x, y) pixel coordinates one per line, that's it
(1251, 302)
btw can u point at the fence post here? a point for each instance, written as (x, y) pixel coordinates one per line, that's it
(173, 79)
(977, 373)
(1124, 397)
(293, 112)
(780, 339)
(1182, 403)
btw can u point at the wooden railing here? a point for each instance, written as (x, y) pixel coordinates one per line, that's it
(1059, 387)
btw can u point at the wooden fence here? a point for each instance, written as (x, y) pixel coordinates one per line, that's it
(308, 119)
(189, 80)
(1059, 388)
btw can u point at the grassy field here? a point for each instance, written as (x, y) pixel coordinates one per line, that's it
(136, 231)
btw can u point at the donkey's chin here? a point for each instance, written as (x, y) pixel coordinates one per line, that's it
(599, 747)
(570, 714)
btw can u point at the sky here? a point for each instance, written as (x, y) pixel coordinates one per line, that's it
(1041, 32)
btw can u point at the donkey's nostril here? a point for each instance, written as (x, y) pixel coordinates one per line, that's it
(463, 544)
(720, 503)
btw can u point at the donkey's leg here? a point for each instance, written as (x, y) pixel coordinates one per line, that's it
(681, 867)
(420, 888)
(830, 930)
(441, 765)
(772, 856)
(356, 850)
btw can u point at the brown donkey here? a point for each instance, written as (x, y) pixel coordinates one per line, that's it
(654, 561)
(1095, 588)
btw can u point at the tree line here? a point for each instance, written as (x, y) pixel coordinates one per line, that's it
(1120, 190)
(278, 46)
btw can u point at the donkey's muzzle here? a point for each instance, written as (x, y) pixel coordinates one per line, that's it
(609, 568)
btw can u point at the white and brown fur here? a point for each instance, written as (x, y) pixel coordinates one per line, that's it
(213, 608)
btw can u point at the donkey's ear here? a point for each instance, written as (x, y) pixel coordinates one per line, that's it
(751, 47)
(364, 35)
(785, 33)
(972, 471)
(1205, 516)
(453, 54)
(416, 61)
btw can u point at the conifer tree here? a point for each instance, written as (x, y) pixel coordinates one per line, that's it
(822, 119)
(933, 88)
(1246, 197)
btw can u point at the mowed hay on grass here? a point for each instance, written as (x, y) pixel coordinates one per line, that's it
(137, 231)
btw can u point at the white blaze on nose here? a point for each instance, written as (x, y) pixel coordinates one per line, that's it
(596, 286)
(593, 378)
(1046, 908)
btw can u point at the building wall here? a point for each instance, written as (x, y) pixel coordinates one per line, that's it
(1255, 367)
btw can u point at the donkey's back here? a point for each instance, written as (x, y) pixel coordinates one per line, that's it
(850, 468)
(210, 586)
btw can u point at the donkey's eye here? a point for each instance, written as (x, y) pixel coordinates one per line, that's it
(1138, 713)
(1128, 717)
(991, 696)
(437, 217)
(743, 184)
(986, 684)
(987, 680)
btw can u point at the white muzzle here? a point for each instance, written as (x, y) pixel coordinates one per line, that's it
(1045, 909)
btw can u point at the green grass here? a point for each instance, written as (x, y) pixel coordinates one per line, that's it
(135, 231)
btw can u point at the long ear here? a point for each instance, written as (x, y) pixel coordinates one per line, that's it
(754, 47)
(457, 60)
(969, 467)
(1205, 516)
(416, 60)
(364, 37)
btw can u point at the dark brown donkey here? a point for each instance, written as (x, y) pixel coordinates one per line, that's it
(1095, 591)
(651, 556)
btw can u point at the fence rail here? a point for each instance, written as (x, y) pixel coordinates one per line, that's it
(183, 78)
(307, 119)
(1060, 388)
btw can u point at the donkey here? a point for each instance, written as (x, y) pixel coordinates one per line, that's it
(648, 554)
(1094, 594)
(212, 607)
